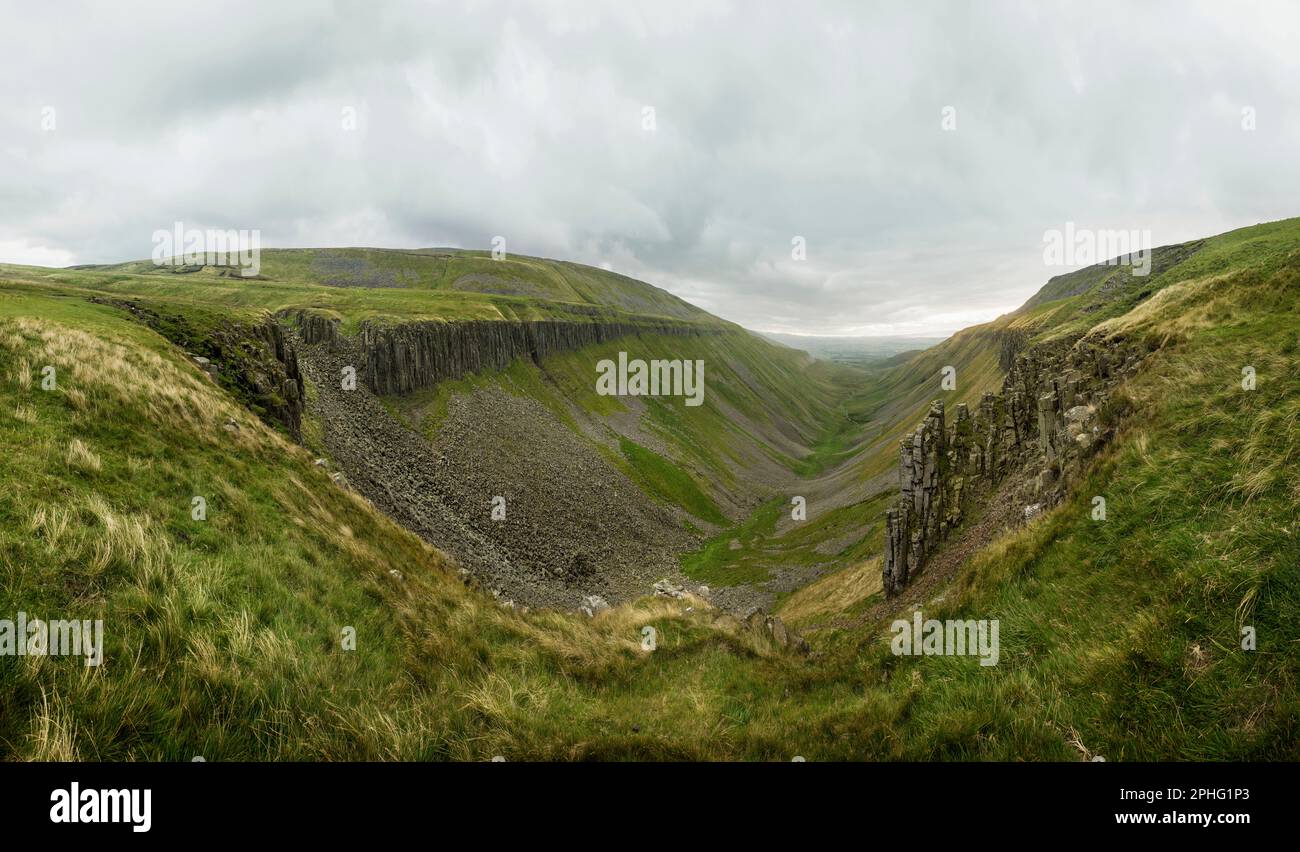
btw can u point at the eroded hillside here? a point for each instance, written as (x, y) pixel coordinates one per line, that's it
(473, 417)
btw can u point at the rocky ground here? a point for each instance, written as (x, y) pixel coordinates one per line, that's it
(574, 527)
(747, 597)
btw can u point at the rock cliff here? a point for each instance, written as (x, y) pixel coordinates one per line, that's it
(255, 360)
(1043, 427)
(406, 357)
(313, 327)
(412, 356)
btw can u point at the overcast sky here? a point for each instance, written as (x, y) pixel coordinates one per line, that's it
(770, 121)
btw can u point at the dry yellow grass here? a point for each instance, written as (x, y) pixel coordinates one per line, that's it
(80, 457)
(49, 523)
(23, 374)
(52, 735)
(90, 368)
(95, 535)
(1270, 453)
(1170, 307)
(77, 398)
(833, 593)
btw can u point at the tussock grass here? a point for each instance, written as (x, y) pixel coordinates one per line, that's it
(23, 373)
(835, 594)
(52, 737)
(82, 458)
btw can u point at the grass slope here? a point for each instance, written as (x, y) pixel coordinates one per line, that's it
(363, 283)
(1120, 638)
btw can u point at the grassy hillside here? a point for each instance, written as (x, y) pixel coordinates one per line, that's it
(772, 415)
(896, 398)
(1120, 638)
(224, 635)
(409, 284)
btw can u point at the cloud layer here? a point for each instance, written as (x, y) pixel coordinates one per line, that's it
(427, 124)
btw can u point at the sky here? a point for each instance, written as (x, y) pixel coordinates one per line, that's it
(820, 168)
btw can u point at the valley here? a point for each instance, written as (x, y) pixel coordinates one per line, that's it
(472, 491)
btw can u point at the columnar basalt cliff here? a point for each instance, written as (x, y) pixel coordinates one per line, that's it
(275, 382)
(405, 357)
(312, 327)
(1042, 428)
(413, 356)
(488, 443)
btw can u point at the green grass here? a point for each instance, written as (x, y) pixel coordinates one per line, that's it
(417, 284)
(668, 482)
(751, 550)
(1120, 638)
(841, 441)
(728, 559)
(1127, 633)
(784, 403)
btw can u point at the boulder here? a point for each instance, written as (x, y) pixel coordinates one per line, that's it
(593, 605)
(665, 588)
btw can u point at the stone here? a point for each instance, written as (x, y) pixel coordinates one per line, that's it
(1045, 481)
(593, 605)
(1080, 413)
(776, 627)
(915, 524)
(665, 588)
(313, 327)
(411, 356)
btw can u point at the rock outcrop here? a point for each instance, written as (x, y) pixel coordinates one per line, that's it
(773, 630)
(557, 543)
(254, 360)
(402, 358)
(1042, 427)
(313, 327)
(271, 376)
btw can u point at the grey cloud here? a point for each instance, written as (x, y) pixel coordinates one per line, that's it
(817, 120)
